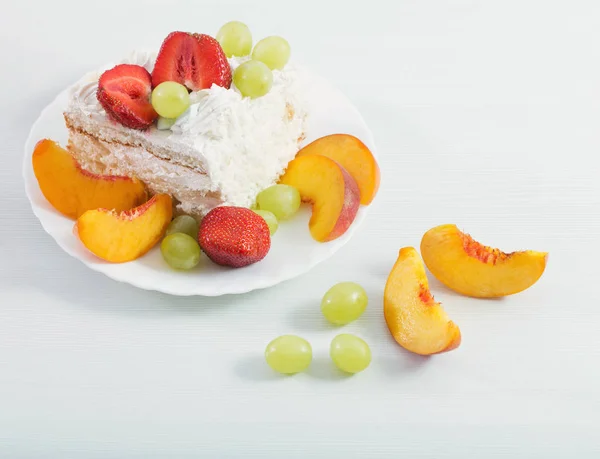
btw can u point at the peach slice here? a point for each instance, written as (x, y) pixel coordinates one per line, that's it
(352, 155)
(332, 191)
(125, 236)
(72, 190)
(416, 321)
(472, 269)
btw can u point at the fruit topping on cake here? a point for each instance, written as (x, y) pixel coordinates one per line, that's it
(234, 236)
(124, 93)
(331, 190)
(72, 190)
(472, 269)
(197, 61)
(253, 79)
(274, 52)
(170, 100)
(416, 321)
(124, 236)
(235, 39)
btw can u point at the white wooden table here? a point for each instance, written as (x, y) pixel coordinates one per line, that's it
(486, 114)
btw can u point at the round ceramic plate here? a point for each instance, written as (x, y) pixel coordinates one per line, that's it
(293, 251)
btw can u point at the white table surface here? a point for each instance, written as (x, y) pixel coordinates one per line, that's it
(486, 114)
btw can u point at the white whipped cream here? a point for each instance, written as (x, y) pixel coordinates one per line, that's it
(244, 144)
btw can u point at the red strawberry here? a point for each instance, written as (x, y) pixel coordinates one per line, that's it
(234, 236)
(124, 92)
(194, 60)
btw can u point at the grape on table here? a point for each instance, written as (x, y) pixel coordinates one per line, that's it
(350, 353)
(288, 354)
(344, 303)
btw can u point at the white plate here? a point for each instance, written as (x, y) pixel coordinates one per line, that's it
(293, 251)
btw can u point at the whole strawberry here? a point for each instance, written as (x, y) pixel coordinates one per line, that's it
(234, 236)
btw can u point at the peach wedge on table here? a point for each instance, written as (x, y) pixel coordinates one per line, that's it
(414, 319)
(472, 269)
(330, 189)
(354, 156)
(124, 236)
(72, 190)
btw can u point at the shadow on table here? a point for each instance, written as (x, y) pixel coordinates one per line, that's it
(57, 275)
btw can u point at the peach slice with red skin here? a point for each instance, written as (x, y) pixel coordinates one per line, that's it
(125, 236)
(354, 156)
(330, 189)
(72, 190)
(472, 269)
(414, 319)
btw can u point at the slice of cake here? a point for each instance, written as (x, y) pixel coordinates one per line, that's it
(223, 150)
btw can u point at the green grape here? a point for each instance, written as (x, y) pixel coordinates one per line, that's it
(163, 123)
(350, 353)
(273, 51)
(344, 302)
(288, 354)
(170, 99)
(180, 251)
(282, 200)
(183, 224)
(270, 219)
(235, 39)
(253, 79)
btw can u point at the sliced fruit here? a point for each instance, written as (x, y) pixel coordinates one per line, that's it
(72, 190)
(234, 236)
(332, 191)
(124, 93)
(472, 269)
(352, 155)
(125, 236)
(196, 61)
(415, 320)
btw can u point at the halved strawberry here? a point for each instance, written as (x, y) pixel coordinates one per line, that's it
(124, 92)
(194, 60)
